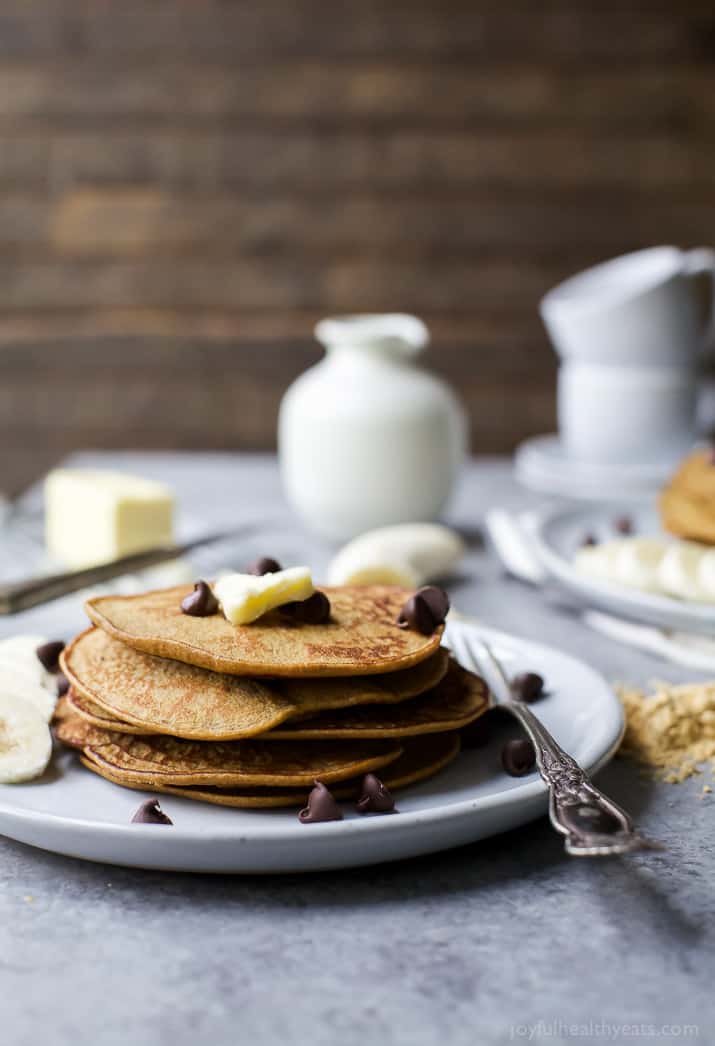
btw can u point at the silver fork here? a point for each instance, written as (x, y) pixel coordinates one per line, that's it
(593, 825)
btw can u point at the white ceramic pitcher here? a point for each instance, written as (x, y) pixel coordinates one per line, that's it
(365, 437)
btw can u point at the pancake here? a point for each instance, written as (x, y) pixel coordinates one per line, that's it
(114, 681)
(361, 638)
(168, 696)
(252, 763)
(245, 798)
(420, 759)
(78, 705)
(688, 516)
(318, 695)
(458, 700)
(696, 474)
(687, 504)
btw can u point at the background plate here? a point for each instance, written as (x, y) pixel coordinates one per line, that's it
(559, 532)
(71, 811)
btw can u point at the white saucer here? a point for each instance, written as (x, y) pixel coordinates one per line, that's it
(558, 533)
(71, 811)
(541, 463)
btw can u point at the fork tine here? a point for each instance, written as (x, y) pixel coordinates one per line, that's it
(474, 654)
(462, 650)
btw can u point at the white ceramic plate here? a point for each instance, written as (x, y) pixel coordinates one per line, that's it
(559, 532)
(72, 811)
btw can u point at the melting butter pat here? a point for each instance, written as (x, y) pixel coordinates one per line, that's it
(245, 597)
(92, 516)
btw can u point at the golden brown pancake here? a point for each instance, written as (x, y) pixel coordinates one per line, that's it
(158, 695)
(317, 695)
(687, 504)
(421, 758)
(458, 700)
(361, 638)
(169, 696)
(75, 732)
(76, 704)
(245, 798)
(252, 763)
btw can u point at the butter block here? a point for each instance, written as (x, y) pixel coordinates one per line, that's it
(92, 516)
(246, 597)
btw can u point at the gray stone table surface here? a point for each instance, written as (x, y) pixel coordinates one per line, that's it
(505, 940)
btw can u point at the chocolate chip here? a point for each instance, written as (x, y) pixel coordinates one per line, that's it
(151, 813)
(375, 797)
(518, 757)
(476, 734)
(425, 610)
(623, 525)
(529, 686)
(321, 806)
(63, 684)
(201, 602)
(315, 610)
(49, 655)
(588, 540)
(264, 565)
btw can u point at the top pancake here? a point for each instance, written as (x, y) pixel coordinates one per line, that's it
(361, 638)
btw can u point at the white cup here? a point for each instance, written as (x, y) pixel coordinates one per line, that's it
(615, 414)
(652, 307)
(630, 333)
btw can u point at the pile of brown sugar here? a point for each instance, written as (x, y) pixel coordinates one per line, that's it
(671, 730)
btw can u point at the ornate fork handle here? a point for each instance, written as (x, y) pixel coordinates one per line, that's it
(591, 823)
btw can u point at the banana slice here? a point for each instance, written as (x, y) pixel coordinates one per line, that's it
(679, 571)
(637, 563)
(20, 653)
(17, 685)
(407, 554)
(25, 741)
(598, 561)
(706, 574)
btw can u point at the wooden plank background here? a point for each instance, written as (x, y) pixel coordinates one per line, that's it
(186, 186)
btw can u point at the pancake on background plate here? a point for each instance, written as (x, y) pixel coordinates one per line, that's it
(687, 504)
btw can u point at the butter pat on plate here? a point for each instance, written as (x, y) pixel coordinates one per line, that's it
(92, 516)
(246, 597)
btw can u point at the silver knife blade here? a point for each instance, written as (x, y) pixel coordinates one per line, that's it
(22, 595)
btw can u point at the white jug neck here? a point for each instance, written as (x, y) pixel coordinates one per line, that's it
(390, 336)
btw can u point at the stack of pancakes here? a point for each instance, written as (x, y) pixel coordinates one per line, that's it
(687, 504)
(253, 715)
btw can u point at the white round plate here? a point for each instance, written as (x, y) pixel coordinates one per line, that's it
(72, 811)
(557, 535)
(542, 463)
